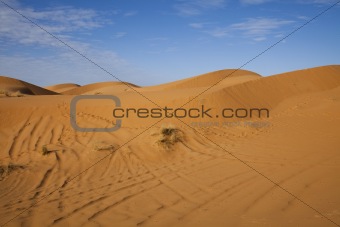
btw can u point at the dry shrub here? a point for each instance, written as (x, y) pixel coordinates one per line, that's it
(46, 150)
(169, 136)
(3, 92)
(102, 146)
(5, 170)
(11, 94)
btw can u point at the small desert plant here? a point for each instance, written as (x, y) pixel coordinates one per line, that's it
(11, 94)
(5, 170)
(17, 94)
(169, 136)
(3, 92)
(46, 151)
(101, 146)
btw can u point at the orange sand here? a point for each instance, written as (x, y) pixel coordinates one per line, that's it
(283, 174)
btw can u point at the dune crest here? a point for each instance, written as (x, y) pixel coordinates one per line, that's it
(225, 77)
(101, 88)
(59, 88)
(272, 90)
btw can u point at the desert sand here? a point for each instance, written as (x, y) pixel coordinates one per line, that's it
(281, 170)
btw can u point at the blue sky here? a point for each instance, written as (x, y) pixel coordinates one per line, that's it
(156, 41)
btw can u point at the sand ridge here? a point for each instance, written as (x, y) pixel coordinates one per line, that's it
(60, 88)
(104, 88)
(11, 85)
(207, 79)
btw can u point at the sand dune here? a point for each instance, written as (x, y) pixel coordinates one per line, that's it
(224, 77)
(259, 92)
(271, 91)
(18, 87)
(59, 88)
(284, 173)
(101, 88)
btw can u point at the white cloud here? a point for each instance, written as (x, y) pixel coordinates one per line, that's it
(211, 3)
(255, 28)
(196, 7)
(120, 34)
(69, 67)
(162, 50)
(219, 32)
(158, 39)
(260, 26)
(197, 25)
(60, 22)
(187, 10)
(303, 18)
(259, 39)
(254, 2)
(55, 62)
(317, 1)
(65, 67)
(131, 13)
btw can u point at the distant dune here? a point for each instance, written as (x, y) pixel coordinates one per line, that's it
(11, 85)
(231, 76)
(100, 88)
(59, 88)
(280, 169)
(272, 90)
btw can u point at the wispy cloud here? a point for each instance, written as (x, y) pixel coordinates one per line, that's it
(162, 50)
(64, 66)
(210, 3)
(131, 13)
(317, 1)
(187, 10)
(161, 38)
(260, 26)
(259, 39)
(258, 2)
(196, 7)
(60, 63)
(303, 17)
(220, 32)
(255, 28)
(254, 2)
(196, 25)
(199, 25)
(60, 21)
(120, 35)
